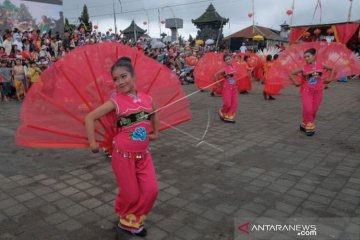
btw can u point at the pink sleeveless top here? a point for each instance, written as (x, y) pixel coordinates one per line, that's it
(229, 75)
(312, 74)
(133, 121)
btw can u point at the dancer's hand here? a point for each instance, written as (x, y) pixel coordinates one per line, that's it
(152, 136)
(94, 147)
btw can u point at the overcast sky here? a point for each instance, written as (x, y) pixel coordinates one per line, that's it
(268, 13)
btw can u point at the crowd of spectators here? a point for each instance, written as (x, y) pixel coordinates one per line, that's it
(24, 55)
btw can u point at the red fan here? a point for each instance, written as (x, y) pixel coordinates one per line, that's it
(335, 55)
(54, 109)
(206, 68)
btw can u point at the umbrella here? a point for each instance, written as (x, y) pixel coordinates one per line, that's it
(209, 42)
(157, 44)
(199, 42)
(258, 38)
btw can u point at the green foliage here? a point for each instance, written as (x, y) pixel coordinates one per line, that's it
(69, 27)
(24, 14)
(9, 6)
(84, 20)
(191, 39)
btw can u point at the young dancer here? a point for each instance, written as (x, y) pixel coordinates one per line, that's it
(311, 88)
(229, 92)
(131, 160)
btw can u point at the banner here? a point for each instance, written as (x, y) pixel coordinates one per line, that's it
(32, 15)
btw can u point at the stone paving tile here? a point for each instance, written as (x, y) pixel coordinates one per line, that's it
(63, 203)
(52, 196)
(88, 217)
(15, 210)
(157, 233)
(69, 225)
(25, 196)
(75, 210)
(91, 203)
(94, 191)
(35, 203)
(8, 202)
(169, 225)
(17, 191)
(56, 218)
(48, 181)
(188, 233)
(268, 169)
(42, 190)
(69, 191)
(104, 210)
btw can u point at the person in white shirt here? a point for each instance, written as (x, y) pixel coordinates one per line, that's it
(243, 48)
(18, 42)
(44, 53)
(7, 44)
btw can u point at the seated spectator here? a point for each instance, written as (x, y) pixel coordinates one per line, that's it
(18, 42)
(33, 73)
(43, 63)
(2, 51)
(7, 44)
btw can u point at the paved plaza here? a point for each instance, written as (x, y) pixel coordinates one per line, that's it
(260, 166)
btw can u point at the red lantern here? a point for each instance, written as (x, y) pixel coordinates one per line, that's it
(191, 61)
(110, 29)
(145, 22)
(289, 12)
(96, 26)
(317, 31)
(330, 31)
(162, 21)
(250, 15)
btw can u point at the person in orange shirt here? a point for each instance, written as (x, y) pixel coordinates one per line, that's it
(267, 66)
(245, 82)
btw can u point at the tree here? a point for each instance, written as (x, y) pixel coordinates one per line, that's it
(181, 40)
(191, 39)
(84, 20)
(68, 27)
(9, 6)
(24, 14)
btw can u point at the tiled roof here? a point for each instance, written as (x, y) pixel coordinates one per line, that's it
(210, 15)
(130, 29)
(248, 32)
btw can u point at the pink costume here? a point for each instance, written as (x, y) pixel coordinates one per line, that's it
(229, 94)
(132, 162)
(312, 94)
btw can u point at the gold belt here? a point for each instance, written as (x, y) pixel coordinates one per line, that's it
(133, 155)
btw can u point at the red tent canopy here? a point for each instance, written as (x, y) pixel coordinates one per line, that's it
(343, 32)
